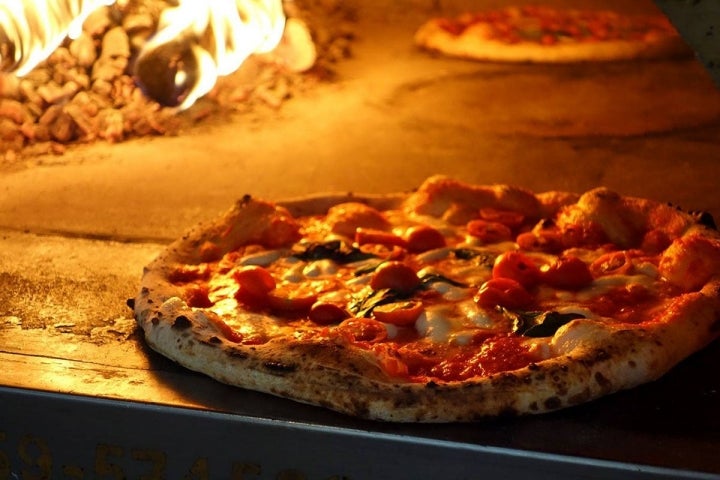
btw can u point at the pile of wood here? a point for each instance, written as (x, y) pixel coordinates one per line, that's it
(85, 90)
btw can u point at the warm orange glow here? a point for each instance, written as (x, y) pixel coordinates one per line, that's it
(197, 42)
(30, 30)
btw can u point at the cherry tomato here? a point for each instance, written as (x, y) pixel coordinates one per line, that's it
(550, 241)
(254, 285)
(576, 235)
(504, 292)
(370, 235)
(395, 276)
(489, 232)
(613, 263)
(326, 313)
(401, 313)
(421, 238)
(286, 300)
(567, 273)
(362, 330)
(516, 266)
(506, 217)
(197, 296)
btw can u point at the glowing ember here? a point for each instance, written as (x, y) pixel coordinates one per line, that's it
(30, 30)
(198, 41)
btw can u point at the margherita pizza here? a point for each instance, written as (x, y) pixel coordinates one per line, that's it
(451, 303)
(542, 34)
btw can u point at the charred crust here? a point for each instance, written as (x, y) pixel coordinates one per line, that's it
(144, 290)
(533, 367)
(602, 380)
(704, 218)
(431, 385)
(360, 408)
(598, 356)
(130, 302)
(237, 354)
(181, 323)
(280, 367)
(407, 399)
(155, 321)
(552, 403)
(214, 340)
(245, 199)
(581, 397)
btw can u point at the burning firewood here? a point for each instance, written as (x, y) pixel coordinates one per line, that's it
(85, 89)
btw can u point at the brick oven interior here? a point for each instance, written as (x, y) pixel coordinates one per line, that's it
(78, 221)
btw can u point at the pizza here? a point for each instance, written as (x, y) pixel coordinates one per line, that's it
(542, 34)
(453, 302)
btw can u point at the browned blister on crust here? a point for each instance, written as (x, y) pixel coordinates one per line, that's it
(590, 359)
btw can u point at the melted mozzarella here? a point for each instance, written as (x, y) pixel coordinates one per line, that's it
(434, 324)
(475, 315)
(442, 323)
(602, 285)
(263, 259)
(320, 268)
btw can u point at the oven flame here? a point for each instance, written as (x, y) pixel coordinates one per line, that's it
(197, 42)
(30, 30)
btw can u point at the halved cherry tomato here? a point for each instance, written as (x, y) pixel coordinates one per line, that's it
(286, 300)
(395, 276)
(254, 279)
(516, 266)
(370, 235)
(362, 330)
(567, 273)
(400, 313)
(254, 285)
(506, 217)
(326, 313)
(504, 292)
(197, 296)
(613, 263)
(421, 238)
(489, 232)
(583, 235)
(550, 241)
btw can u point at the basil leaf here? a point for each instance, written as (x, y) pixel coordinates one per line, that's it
(368, 268)
(479, 257)
(538, 324)
(426, 280)
(363, 307)
(336, 250)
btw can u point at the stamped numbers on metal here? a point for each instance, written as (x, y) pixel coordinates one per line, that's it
(112, 462)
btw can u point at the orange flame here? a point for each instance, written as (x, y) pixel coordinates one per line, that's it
(198, 41)
(30, 30)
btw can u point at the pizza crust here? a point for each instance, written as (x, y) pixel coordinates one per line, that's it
(592, 359)
(473, 44)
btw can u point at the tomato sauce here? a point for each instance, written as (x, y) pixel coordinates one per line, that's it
(422, 361)
(628, 304)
